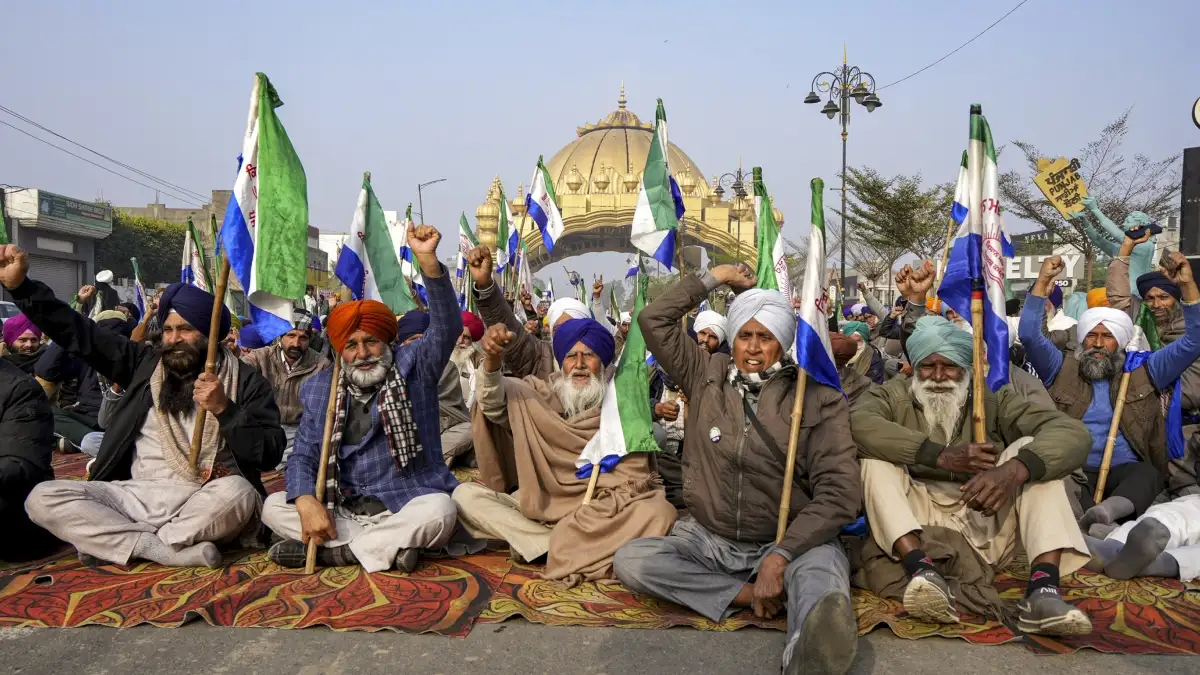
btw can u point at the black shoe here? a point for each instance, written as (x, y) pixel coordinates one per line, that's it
(288, 553)
(408, 559)
(829, 638)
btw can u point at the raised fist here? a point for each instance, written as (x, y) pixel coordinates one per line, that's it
(86, 293)
(1052, 267)
(738, 277)
(1178, 268)
(14, 265)
(496, 339)
(479, 260)
(423, 239)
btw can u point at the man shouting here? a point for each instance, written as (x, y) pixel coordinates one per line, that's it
(144, 500)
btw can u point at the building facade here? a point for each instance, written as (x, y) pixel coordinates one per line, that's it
(59, 234)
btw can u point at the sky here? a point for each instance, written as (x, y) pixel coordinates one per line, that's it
(469, 90)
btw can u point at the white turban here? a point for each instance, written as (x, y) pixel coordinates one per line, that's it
(626, 317)
(569, 306)
(104, 277)
(1115, 320)
(714, 322)
(857, 308)
(771, 310)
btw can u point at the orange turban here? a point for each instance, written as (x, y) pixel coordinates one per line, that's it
(1097, 297)
(371, 316)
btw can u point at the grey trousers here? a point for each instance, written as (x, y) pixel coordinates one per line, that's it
(704, 572)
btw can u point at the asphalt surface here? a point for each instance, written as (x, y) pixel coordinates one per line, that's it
(512, 647)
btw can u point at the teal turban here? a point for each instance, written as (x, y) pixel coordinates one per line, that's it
(935, 335)
(852, 327)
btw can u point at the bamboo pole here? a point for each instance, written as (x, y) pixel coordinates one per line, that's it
(210, 364)
(310, 560)
(977, 361)
(789, 469)
(592, 483)
(941, 268)
(1114, 428)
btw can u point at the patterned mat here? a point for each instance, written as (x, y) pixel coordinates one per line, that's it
(447, 595)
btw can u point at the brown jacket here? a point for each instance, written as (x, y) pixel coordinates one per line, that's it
(732, 478)
(285, 383)
(1141, 419)
(526, 355)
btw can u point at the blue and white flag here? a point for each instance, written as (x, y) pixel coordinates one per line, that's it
(813, 352)
(139, 291)
(660, 203)
(542, 205)
(634, 268)
(976, 263)
(193, 267)
(265, 231)
(958, 212)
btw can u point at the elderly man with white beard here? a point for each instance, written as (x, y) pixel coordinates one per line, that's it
(528, 434)
(920, 469)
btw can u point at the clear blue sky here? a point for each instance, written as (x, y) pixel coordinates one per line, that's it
(469, 90)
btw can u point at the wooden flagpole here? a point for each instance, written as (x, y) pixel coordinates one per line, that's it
(592, 483)
(210, 364)
(977, 378)
(789, 469)
(941, 270)
(310, 560)
(1114, 428)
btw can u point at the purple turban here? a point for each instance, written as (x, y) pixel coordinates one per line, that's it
(412, 323)
(588, 331)
(194, 305)
(16, 327)
(1056, 296)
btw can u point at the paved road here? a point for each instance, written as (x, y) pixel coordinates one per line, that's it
(514, 647)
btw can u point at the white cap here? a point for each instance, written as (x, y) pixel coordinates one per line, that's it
(104, 277)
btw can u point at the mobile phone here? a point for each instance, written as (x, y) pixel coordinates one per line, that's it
(1140, 231)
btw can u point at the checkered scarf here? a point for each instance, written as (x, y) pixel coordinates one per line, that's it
(399, 427)
(752, 383)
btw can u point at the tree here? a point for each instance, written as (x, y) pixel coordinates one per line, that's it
(157, 245)
(895, 215)
(1120, 188)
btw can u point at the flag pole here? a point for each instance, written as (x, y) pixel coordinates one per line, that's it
(310, 559)
(592, 482)
(210, 364)
(941, 271)
(1114, 428)
(789, 469)
(977, 361)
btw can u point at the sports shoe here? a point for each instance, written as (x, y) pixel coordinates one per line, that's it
(927, 597)
(288, 553)
(1046, 613)
(828, 640)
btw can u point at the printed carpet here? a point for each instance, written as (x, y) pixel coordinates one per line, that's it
(448, 595)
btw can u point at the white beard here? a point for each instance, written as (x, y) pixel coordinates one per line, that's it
(943, 409)
(576, 399)
(464, 358)
(367, 379)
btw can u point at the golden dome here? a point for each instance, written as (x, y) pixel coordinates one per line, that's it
(613, 148)
(488, 209)
(778, 216)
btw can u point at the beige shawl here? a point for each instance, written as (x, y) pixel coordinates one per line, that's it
(538, 452)
(176, 440)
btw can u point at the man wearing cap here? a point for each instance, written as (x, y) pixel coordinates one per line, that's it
(287, 364)
(526, 354)
(712, 332)
(1085, 387)
(920, 468)
(528, 435)
(723, 556)
(143, 499)
(23, 343)
(387, 491)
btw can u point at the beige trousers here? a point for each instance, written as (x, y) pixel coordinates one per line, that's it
(105, 518)
(424, 522)
(1039, 519)
(487, 514)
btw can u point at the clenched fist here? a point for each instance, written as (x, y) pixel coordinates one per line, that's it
(1177, 268)
(738, 277)
(14, 266)
(423, 240)
(495, 341)
(914, 282)
(209, 394)
(479, 260)
(1052, 267)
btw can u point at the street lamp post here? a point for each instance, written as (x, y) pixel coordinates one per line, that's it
(845, 83)
(736, 181)
(420, 201)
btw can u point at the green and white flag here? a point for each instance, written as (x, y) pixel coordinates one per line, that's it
(771, 269)
(660, 203)
(367, 264)
(502, 232)
(626, 424)
(195, 270)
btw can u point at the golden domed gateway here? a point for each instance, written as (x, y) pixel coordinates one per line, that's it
(596, 180)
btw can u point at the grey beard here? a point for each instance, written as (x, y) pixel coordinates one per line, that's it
(464, 357)
(576, 400)
(371, 378)
(942, 410)
(1099, 369)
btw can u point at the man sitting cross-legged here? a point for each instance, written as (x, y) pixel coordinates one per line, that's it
(144, 500)
(920, 469)
(26, 437)
(387, 491)
(724, 556)
(528, 433)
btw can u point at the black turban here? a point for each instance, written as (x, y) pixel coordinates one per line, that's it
(1157, 280)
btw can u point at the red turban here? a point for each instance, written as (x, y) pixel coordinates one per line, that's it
(371, 316)
(473, 324)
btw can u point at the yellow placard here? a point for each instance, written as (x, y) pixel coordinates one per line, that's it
(1059, 180)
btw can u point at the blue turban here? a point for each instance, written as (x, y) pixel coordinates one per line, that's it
(194, 305)
(250, 338)
(1157, 279)
(412, 323)
(589, 332)
(1056, 296)
(935, 335)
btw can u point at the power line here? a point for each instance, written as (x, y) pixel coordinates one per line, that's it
(101, 166)
(100, 154)
(997, 21)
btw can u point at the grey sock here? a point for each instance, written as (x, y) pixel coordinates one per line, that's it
(1100, 530)
(150, 547)
(1165, 565)
(1103, 551)
(1106, 512)
(1146, 541)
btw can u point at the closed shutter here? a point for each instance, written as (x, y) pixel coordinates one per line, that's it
(64, 277)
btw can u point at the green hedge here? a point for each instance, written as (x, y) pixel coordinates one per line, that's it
(157, 245)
